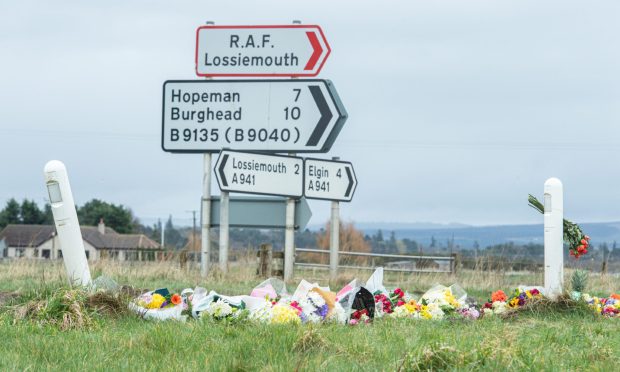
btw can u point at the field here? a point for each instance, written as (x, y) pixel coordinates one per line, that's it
(553, 337)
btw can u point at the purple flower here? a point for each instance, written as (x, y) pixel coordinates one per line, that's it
(322, 311)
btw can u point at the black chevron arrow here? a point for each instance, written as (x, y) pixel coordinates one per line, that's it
(221, 170)
(326, 115)
(346, 194)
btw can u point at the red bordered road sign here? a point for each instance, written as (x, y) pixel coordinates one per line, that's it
(246, 51)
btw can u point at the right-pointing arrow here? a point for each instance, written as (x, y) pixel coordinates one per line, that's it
(326, 115)
(316, 51)
(221, 170)
(350, 187)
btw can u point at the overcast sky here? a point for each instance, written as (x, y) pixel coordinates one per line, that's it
(457, 109)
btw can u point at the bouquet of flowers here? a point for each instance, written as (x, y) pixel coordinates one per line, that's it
(360, 316)
(497, 304)
(522, 296)
(444, 298)
(609, 307)
(160, 304)
(578, 242)
(409, 309)
(386, 304)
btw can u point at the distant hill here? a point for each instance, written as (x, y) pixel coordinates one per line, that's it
(465, 236)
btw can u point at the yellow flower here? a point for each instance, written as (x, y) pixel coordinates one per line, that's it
(284, 314)
(424, 313)
(410, 307)
(528, 294)
(514, 302)
(156, 301)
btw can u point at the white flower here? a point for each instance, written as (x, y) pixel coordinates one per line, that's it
(219, 309)
(400, 312)
(499, 307)
(338, 314)
(307, 307)
(313, 318)
(487, 311)
(262, 313)
(316, 299)
(435, 311)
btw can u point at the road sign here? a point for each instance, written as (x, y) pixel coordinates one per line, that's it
(260, 213)
(329, 180)
(260, 174)
(254, 115)
(286, 50)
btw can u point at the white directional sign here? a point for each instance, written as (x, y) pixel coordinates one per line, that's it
(260, 174)
(285, 50)
(329, 180)
(255, 115)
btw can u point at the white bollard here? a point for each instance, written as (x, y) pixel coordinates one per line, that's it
(554, 237)
(67, 224)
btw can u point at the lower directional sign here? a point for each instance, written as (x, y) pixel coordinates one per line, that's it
(254, 173)
(261, 213)
(329, 180)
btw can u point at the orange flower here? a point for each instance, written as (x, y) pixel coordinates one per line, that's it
(615, 296)
(498, 296)
(176, 299)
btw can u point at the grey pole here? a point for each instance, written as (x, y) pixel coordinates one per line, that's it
(334, 245)
(224, 231)
(205, 249)
(289, 238)
(289, 232)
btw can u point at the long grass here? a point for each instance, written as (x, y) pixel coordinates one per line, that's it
(545, 336)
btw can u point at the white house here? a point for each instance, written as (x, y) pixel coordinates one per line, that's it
(41, 241)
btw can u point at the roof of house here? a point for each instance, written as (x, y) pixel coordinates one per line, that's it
(26, 235)
(35, 235)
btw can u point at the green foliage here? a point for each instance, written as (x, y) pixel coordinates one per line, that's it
(579, 280)
(117, 217)
(10, 213)
(26, 213)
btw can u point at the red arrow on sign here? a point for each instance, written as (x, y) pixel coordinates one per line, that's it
(281, 50)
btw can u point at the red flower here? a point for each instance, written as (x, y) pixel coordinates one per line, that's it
(535, 292)
(399, 292)
(176, 299)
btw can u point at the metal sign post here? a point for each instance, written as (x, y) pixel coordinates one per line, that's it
(334, 245)
(300, 115)
(554, 237)
(224, 229)
(282, 50)
(205, 249)
(289, 237)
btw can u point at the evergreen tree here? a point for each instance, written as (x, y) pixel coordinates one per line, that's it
(10, 213)
(30, 213)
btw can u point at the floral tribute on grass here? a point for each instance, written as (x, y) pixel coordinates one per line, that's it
(578, 242)
(356, 303)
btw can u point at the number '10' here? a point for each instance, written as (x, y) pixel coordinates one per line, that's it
(292, 113)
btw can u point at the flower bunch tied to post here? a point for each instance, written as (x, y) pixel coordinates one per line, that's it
(578, 242)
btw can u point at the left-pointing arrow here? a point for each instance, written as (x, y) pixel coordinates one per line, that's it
(221, 170)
